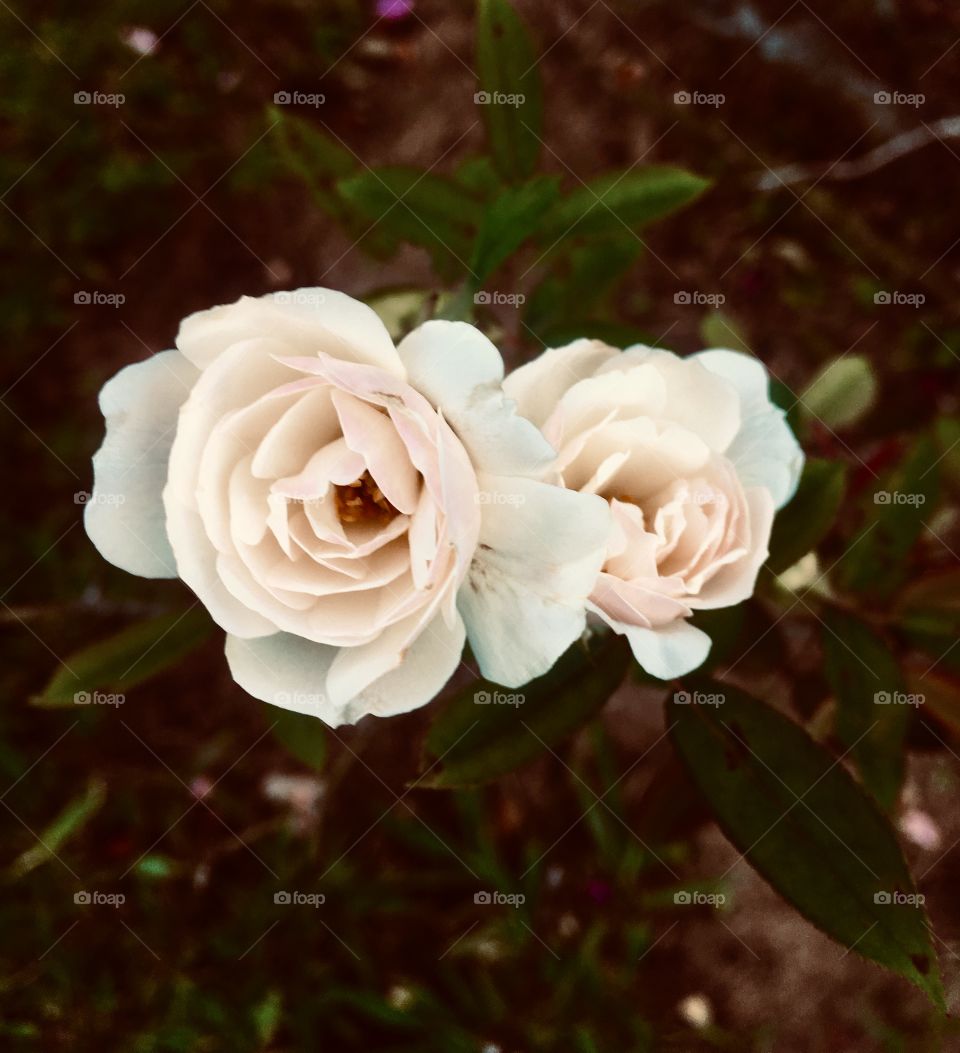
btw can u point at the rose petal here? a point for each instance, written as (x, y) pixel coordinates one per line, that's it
(541, 548)
(125, 518)
(458, 370)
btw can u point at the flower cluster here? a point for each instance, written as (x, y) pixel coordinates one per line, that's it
(351, 511)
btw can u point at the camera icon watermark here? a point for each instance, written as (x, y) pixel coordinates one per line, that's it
(698, 698)
(298, 700)
(299, 98)
(98, 698)
(898, 497)
(99, 98)
(302, 297)
(699, 299)
(899, 698)
(699, 98)
(896, 898)
(99, 899)
(498, 698)
(499, 98)
(496, 298)
(99, 299)
(85, 497)
(299, 899)
(899, 98)
(895, 298)
(499, 899)
(696, 898)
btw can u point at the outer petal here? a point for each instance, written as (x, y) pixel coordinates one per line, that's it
(306, 320)
(672, 650)
(291, 672)
(539, 385)
(125, 519)
(765, 451)
(457, 368)
(541, 548)
(284, 670)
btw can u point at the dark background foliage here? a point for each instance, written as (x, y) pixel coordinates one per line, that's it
(198, 805)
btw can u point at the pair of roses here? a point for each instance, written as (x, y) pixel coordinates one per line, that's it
(351, 511)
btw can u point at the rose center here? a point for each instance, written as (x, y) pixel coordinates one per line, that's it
(362, 502)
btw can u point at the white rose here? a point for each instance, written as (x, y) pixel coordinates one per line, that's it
(347, 510)
(693, 458)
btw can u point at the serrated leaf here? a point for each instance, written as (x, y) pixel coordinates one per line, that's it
(807, 519)
(423, 208)
(507, 223)
(877, 564)
(842, 392)
(127, 658)
(304, 736)
(619, 200)
(510, 85)
(871, 714)
(484, 732)
(807, 827)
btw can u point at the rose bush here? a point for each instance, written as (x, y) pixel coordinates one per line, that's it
(347, 510)
(693, 458)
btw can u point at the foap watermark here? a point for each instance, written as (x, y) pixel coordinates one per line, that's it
(99, 98)
(499, 899)
(298, 700)
(898, 497)
(696, 898)
(98, 698)
(895, 298)
(896, 898)
(498, 497)
(498, 698)
(499, 98)
(304, 297)
(99, 299)
(299, 899)
(699, 98)
(96, 898)
(299, 98)
(899, 98)
(84, 497)
(699, 299)
(698, 698)
(497, 298)
(898, 698)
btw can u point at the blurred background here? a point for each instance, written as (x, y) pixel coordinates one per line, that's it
(163, 157)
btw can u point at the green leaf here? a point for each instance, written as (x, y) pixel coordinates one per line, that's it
(877, 564)
(66, 825)
(312, 156)
(807, 827)
(842, 392)
(719, 330)
(578, 279)
(807, 519)
(126, 659)
(871, 713)
(486, 731)
(932, 604)
(511, 95)
(512, 218)
(304, 736)
(423, 208)
(619, 200)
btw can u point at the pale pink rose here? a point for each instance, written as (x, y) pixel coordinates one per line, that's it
(693, 459)
(348, 511)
